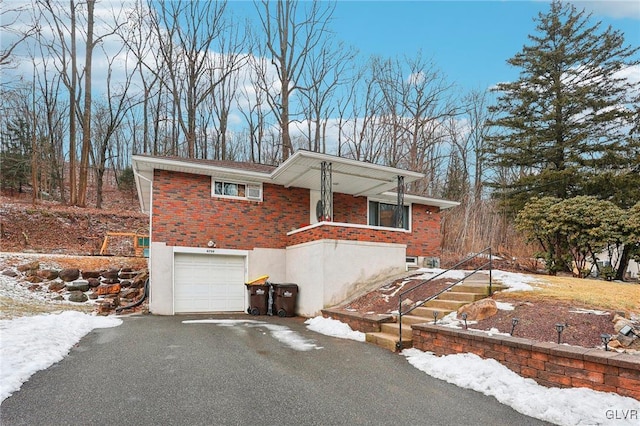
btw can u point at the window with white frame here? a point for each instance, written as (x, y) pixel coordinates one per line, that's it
(248, 191)
(384, 214)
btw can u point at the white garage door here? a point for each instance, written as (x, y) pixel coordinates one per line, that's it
(208, 283)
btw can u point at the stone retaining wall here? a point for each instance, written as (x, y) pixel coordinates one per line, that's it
(549, 364)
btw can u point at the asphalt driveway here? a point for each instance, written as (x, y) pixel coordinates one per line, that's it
(161, 371)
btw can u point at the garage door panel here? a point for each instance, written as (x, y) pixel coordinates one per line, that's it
(206, 283)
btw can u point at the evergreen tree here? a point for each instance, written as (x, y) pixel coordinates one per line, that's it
(566, 126)
(15, 155)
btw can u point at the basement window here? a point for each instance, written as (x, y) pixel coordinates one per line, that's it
(244, 191)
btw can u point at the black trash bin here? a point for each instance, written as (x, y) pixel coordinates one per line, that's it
(258, 299)
(285, 297)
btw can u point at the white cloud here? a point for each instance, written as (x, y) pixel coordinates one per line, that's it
(613, 9)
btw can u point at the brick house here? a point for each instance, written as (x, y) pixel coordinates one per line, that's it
(326, 223)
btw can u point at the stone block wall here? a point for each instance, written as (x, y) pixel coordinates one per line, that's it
(549, 364)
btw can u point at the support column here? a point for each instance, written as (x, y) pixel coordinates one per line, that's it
(400, 203)
(325, 212)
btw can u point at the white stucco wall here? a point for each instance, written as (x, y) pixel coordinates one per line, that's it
(327, 272)
(270, 262)
(330, 271)
(161, 279)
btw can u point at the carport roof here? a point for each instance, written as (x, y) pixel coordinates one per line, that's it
(301, 170)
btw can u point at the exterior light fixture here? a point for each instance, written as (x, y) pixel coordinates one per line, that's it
(627, 330)
(559, 329)
(514, 322)
(464, 318)
(211, 244)
(435, 317)
(606, 338)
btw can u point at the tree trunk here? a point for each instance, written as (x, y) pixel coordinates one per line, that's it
(86, 120)
(73, 196)
(624, 262)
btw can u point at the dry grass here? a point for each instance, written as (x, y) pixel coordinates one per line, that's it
(588, 293)
(11, 308)
(86, 263)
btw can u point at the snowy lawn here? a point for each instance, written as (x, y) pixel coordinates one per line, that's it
(31, 344)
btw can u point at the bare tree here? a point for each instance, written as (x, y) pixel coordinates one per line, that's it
(109, 118)
(293, 30)
(326, 73)
(11, 26)
(360, 118)
(252, 104)
(86, 115)
(225, 72)
(63, 49)
(418, 102)
(140, 41)
(187, 32)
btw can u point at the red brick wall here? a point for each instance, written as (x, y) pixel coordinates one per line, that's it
(350, 209)
(337, 232)
(185, 214)
(549, 364)
(425, 237)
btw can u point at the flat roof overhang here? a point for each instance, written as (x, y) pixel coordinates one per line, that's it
(303, 170)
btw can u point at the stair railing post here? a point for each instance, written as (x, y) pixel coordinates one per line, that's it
(399, 345)
(490, 272)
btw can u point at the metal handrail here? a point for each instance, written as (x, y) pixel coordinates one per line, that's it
(401, 295)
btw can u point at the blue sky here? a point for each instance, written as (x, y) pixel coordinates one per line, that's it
(469, 41)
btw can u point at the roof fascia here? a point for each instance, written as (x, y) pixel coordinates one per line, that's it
(417, 199)
(202, 169)
(347, 161)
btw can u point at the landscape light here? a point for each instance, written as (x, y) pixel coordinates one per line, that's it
(435, 317)
(559, 328)
(606, 338)
(627, 330)
(514, 322)
(464, 317)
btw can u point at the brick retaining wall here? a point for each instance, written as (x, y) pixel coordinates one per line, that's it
(549, 364)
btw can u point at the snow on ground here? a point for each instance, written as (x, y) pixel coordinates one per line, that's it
(573, 406)
(31, 344)
(589, 311)
(279, 332)
(428, 273)
(504, 306)
(513, 280)
(12, 289)
(334, 328)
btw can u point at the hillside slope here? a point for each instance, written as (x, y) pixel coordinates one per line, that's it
(50, 227)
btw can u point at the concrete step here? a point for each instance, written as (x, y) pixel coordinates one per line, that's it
(388, 341)
(470, 290)
(461, 296)
(477, 288)
(443, 303)
(394, 328)
(428, 313)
